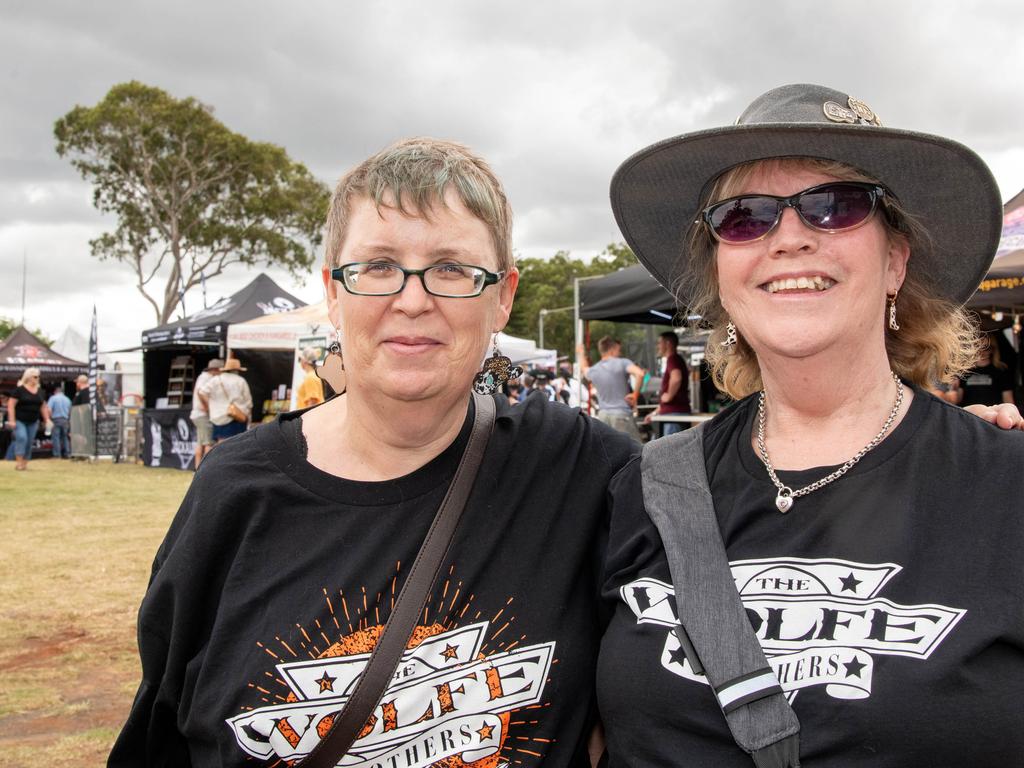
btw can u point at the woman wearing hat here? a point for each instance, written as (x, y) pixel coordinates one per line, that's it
(873, 532)
(227, 398)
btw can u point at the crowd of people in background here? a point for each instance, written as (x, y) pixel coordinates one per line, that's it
(615, 390)
(619, 392)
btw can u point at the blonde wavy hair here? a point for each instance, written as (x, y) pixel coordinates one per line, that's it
(412, 176)
(29, 373)
(937, 340)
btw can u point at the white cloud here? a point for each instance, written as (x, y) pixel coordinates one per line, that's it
(556, 95)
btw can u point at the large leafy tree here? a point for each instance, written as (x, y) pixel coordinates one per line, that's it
(8, 326)
(191, 197)
(548, 284)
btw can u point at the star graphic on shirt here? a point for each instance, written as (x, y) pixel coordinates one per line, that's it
(677, 656)
(326, 682)
(853, 667)
(450, 652)
(485, 732)
(850, 583)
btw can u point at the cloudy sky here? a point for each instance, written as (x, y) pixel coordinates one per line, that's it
(554, 94)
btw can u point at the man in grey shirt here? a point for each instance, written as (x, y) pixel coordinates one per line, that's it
(615, 393)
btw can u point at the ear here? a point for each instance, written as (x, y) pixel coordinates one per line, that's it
(506, 296)
(331, 292)
(896, 267)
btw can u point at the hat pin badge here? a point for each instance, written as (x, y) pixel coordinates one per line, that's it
(856, 112)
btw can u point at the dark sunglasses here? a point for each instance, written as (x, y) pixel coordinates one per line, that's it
(833, 207)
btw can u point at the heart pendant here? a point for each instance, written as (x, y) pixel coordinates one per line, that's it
(784, 503)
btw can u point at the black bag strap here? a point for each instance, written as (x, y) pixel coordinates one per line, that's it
(400, 624)
(714, 631)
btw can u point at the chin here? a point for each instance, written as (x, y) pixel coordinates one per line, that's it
(419, 386)
(795, 343)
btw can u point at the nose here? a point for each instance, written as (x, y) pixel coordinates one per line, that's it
(791, 235)
(413, 299)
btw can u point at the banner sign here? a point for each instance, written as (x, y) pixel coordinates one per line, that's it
(169, 438)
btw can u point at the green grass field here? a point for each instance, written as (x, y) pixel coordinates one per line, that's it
(76, 546)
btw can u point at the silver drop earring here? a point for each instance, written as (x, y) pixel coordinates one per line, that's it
(893, 325)
(730, 338)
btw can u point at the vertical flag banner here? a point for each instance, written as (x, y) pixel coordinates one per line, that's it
(93, 365)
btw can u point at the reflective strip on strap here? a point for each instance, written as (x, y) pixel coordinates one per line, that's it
(748, 688)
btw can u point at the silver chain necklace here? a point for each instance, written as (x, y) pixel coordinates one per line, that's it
(784, 499)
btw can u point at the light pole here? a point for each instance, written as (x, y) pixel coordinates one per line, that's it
(578, 333)
(540, 321)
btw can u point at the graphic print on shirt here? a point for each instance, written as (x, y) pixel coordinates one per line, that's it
(820, 622)
(450, 703)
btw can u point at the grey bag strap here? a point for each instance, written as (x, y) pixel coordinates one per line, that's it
(400, 624)
(714, 630)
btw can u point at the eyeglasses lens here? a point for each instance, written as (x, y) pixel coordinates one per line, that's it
(454, 280)
(745, 218)
(836, 207)
(373, 278)
(831, 208)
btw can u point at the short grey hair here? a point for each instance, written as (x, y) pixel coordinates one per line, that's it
(412, 176)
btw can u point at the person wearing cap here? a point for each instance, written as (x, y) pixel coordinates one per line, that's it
(226, 396)
(311, 390)
(874, 531)
(200, 415)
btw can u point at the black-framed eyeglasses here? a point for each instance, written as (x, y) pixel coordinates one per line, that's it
(450, 281)
(833, 207)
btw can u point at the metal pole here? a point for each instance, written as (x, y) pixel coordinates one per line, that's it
(578, 331)
(24, 276)
(540, 321)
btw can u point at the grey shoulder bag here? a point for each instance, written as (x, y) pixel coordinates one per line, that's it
(714, 631)
(400, 624)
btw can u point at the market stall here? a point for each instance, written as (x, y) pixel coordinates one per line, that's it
(175, 354)
(22, 350)
(999, 300)
(1002, 290)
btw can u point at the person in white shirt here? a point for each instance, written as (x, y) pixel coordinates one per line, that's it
(200, 415)
(226, 397)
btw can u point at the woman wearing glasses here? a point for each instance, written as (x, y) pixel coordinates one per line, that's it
(25, 407)
(873, 532)
(296, 538)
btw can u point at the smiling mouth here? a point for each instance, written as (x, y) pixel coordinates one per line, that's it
(407, 344)
(813, 283)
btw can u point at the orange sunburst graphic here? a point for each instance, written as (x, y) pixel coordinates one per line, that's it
(466, 695)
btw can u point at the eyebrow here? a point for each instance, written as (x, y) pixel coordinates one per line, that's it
(360, 253)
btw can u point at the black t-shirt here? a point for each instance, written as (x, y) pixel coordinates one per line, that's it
(275, 578)
(29, 405)
(81, 397)
(890, 603)
(985, 385)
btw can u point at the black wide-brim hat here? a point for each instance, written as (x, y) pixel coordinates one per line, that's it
(656, 194)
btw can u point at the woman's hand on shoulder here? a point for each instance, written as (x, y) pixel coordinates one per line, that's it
(1003, 415)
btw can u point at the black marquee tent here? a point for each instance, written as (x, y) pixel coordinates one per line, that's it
(23, 350)
(202, 336)
(629, 295)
